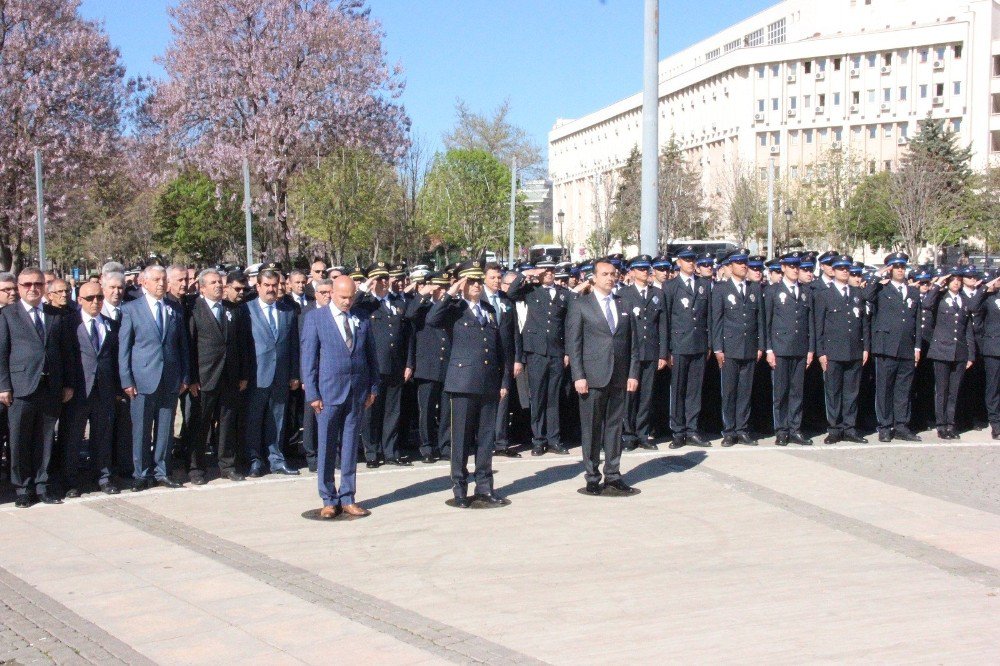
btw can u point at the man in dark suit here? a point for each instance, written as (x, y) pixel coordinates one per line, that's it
(687, 301)
(604, 361)
(478, 376)
(842, 346)
(543, 353)
(322, 292)
(645, 303)
(896, 345)
(37, 373)
(394, 346)
(268, 337)
(507, 320)
(738, 341)
(95, 393)
(340, 373)
(790, 342)
(216, 387)
(431, 349)
(113, 287)
(153, 366)
(296, 297)
(317, 272)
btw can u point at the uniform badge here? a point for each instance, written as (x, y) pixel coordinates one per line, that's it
(635, 311)
(656, 300)
(857, 313)
(701, 289)
(229, 315)
(909, 302)
(857, 300)
(355, 321)
(782, 297)
(685, 302)
(803, 298)
(562, 297)
(732, 299)
(489, 317)
(997, 301)
(753, 298)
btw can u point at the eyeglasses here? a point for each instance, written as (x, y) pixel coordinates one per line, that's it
(8, 288)
(32, 285)
(238, 288)
(59, 291)
(92, 298)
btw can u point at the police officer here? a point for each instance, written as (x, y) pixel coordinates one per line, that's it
(895, 343)
(645, 303)
(988, 343)
(431, 347)
(493, 294)
(543, 355)
(687, 300)
(478, 375)
(790, 342)
(737, 326)
(842, 346)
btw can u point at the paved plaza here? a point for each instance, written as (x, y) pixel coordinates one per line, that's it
(879, 553)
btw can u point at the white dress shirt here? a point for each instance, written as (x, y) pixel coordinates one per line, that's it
(102, 327)
(602, 300)
(339, 316)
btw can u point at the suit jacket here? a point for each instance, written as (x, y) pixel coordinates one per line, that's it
(96, 367)
(789, 329)
(394, 343)
(145, 360)
(596, 354)
(896, 322)
(686, 315)
(649, 320)
(431, 345)
(507, 321)
(264, 359)
(953, 338)
(214, 346)
(330, 371)
(25, 357)
(988, 340)
(737, 321)
(842, 325)
(544, 330)
(291, 300)
(478, 361)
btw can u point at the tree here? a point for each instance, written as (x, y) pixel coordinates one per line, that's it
(61, 90)
(869, 216)
(836, 175)
(744, 202)
(926, 206)
(465, 202)
(279, 82)
(496, 135)
(197, 218)
(602, 237)
(682, 209)
(988, 209)
(627, 209)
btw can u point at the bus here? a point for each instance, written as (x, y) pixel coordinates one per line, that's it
(558, 253)
(701, 246)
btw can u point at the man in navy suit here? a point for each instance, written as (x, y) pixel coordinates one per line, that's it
(153, 366)
(95, 393)
(340, 375)
(269, 339)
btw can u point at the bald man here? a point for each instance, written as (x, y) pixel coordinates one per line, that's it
(340, 375)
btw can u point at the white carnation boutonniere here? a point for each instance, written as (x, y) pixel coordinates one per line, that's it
(782, 297)
(732, 299)
(685, 302)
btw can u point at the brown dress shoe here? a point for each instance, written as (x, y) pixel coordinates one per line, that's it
(356, 510)
(328, 512)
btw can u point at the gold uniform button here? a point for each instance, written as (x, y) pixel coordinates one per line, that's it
(486, 362)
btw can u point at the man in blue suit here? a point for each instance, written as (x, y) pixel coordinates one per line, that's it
(153, 365)
(269, 339)
(340, 376)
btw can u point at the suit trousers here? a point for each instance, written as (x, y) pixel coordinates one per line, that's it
(991, 393)
(153, 433)
(32, 422)
(337, 438)
(787, 380)
(220, 407)
(98, 409)
(121, 438)
(638, 405)
(545, 374)
(293, 420)
(310, 442)
(602, 412)
(428, 419)
(685, 393)
(842, 382)
(893, 384)
(503, 423)
(736, 378)
(947, 380)
(380, 423)
(473, 429)
(264, 423)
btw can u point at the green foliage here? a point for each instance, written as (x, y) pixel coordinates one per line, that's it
(868, 215)
(196, 218)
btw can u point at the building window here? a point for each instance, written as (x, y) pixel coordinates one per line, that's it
(956, 125)
(731, 46)
(886, 94)
(996, 65)
(887, 165)
(957, 51)
(793, 137)
(996, 102)
(792, 102)
(775, 138)
(807, 67)
(871, 59)
(793, 171)
(995, 141)
(856, 133)
(871, 95)
(939, 90)
(821, 65)
(924, 53)
(958, 88)
(887, 59)
(903, 56)
(762, 138)
(838, 134)
(809, 171)
(836, 99)
(776, 32)
(774, 103)
(713, 54)
(809, 136)
(939, 52)
(836, 64)
(886, 131)
(872, 131)
(793, 67)
(923, 91)
(760, 106)
(904, 130)
(855, 97)
(760, 71)
(763, 173)
(821, 99)
(806, 101)
(856, 62)
(755, 38)
(902, 93)
(775, 69)
(871, 167)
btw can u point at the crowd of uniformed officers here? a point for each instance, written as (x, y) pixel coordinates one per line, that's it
(160, 375)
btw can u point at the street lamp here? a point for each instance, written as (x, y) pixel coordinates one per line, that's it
(788, 227)
(562, 216)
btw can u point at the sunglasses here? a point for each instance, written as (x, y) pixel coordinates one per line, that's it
(32, 285)
(92, 298)
(238, 288)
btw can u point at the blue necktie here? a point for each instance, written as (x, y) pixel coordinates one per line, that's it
(607, 313)
(36, 315)
(217, 310)
(159, 318)
(272, 320)
(94, 339)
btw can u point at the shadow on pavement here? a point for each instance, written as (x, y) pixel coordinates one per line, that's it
(657, 467)
(541, 478)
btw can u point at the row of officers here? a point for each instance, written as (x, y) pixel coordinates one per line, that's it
(123, 358)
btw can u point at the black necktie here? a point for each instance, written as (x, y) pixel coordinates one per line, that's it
(94, 339)
(39, 326)
(348, 335)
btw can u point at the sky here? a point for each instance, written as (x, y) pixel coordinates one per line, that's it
(551, 58)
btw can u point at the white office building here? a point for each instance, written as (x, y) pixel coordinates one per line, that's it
(791, 83)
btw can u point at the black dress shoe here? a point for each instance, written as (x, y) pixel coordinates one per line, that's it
(649, 445)
(630, 445)
(428, 460)
(492, 499)
(996, 435)
(537, 450)
(953, 435)
(49, 499)
(907, 436)
(139, 485)
(23, 501)
(374, 464)
(781, 440)
(399, 462)
(463, 502)
(557, 449)
(506, 453)
(110, 489)
(197, 480)
(854, 437)
(831, 439)
(285, 470)
(800, 439)
(168, 483)
(72, 493)
(620, 486)
(695, 440)
(885, 436)
(728, 441)
(746, 440)
(256, 472)
(593, 488)
(677, 442)
(233, 475)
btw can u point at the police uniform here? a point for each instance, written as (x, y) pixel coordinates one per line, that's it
(646, 309)
(988, 344)
(543, 339)
(895, 332)
(380, 432)
(842, 336)
(737, 333)
(507, 319)
(687, 301)
(431, 349)
(789, 335)
(477, 371)
(710, 416)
